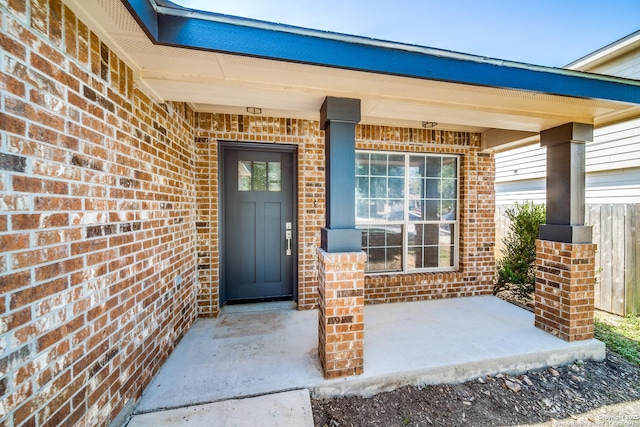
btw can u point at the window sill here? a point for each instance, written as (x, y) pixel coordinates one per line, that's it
(412, 273)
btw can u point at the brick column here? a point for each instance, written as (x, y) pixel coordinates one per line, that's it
(565, 282)
(341, 313)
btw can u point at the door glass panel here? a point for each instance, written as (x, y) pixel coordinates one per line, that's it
(274, 176)
(259, 176)
(244, 176)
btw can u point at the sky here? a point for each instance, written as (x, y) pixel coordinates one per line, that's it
(542, 32)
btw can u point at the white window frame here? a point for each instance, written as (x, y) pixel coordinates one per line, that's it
(405, 223)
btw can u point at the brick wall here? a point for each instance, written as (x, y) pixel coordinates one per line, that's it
(476, 272)
(309, 139)
(341, 313)
(109, 218)
(565, 289)
(97, 223)
(477, 229)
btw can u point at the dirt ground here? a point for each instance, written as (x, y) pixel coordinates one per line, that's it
(583, 394)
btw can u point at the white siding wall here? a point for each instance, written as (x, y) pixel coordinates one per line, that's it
(612, 161)
(626, 65)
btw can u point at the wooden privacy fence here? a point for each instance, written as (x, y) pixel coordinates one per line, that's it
(616, 231)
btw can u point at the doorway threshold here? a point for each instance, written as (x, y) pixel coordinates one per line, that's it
(259, 307)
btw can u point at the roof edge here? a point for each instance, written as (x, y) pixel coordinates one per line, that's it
(605, 53)
(177, 26)
(166, 7)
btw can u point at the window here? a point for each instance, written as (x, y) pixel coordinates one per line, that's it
(406, 207)
(259, 176)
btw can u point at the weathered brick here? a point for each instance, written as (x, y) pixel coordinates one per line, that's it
(12, 162)
(11, 282)
(46, 135)
(38, 185)
(35, 78)
(58, 334)
(82, 364)
(55, 22)
(62, 411)
(54, 237)
(48, 203)
(564, 301)
(19, 7)
(11, 85)
(40, 16)
(12, 47)
(15, 319)
(33, 221)
(31, 406)
(4, 386)
(14, 242)
(59, 268)
(16, 358)
(34, 293)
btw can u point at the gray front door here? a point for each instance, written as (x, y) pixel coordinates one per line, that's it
(258, 225)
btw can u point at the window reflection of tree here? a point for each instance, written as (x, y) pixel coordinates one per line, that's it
(432, 198)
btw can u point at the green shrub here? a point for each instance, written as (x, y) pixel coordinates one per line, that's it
(516, 268)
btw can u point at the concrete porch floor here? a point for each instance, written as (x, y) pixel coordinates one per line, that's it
(250, 353)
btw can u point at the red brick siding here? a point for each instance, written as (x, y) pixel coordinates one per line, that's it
(97, 224)
(341, 313)
(107, 198)
(306, 135)
(565, 289)
(476, 273)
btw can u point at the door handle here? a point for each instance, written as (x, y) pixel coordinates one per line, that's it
(287, 235)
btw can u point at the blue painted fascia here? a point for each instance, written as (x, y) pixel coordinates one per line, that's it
(145, 13)
(285, 43)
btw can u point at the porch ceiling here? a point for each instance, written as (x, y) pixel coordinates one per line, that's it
(229, 83)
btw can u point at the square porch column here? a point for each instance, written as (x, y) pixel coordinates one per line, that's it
(341, 313)
(340, 259)
(564, 292)
(565, 256)
(338, 119)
